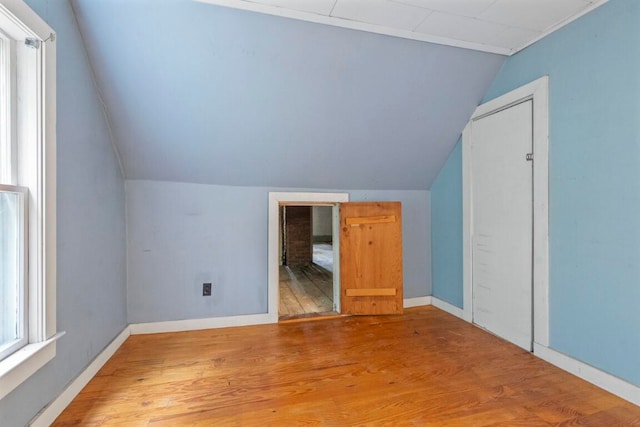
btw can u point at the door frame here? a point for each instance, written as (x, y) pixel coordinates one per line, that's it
(293, 198)
(538, 92)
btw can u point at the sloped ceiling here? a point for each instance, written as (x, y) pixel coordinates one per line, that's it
(207, 94)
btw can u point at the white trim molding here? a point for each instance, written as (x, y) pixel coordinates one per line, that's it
(449, 308)
(356, 25)
(538, 92)
(595, 376)
(16, 368)
(416, 302)
(284, 12)
(199, 324)
(49, 413)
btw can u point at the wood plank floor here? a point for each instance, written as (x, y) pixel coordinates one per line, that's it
(425, 367)
(305, 290)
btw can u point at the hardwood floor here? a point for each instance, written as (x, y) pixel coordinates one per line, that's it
(305, 291)
(425, 367)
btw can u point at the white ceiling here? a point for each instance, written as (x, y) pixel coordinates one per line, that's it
(496, 26)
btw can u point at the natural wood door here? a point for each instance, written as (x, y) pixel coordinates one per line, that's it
(371, 257)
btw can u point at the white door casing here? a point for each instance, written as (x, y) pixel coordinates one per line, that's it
(501, 220)
(291, 198)
(538, 92)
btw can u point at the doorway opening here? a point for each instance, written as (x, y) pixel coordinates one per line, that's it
(324, 258)
(306, 262)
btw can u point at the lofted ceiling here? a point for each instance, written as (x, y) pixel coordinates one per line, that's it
(200, 93)
(497, 26)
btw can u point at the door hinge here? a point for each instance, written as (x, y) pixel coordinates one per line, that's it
(529, 157)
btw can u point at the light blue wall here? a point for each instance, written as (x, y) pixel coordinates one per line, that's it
(241, 88)
(91, 231)
(446, 230)
(594, 181)
(181, 235)
(594, 172)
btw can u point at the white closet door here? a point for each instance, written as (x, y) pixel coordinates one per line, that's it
(502, 224)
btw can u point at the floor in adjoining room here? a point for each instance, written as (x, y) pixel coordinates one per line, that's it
(424, 367)
(305, 290)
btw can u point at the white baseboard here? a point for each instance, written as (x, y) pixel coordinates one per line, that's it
(595, 376)
(445, 306)
(588, 373)
(416, 302)
(197, 324)
(49, 413)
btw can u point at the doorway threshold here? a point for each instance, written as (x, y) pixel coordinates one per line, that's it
(307, 317)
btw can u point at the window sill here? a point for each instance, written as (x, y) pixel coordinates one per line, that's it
(15, 369)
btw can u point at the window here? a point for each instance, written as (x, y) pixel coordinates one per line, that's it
(27, 194)
(13, 297)
(13, 292)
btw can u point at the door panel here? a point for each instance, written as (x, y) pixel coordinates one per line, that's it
(371, 257)
(502, 223)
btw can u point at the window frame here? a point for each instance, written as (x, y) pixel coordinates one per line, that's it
(23, 251)
(34, 167)
(7, 112)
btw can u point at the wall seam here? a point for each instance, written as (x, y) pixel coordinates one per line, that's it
(105, 110)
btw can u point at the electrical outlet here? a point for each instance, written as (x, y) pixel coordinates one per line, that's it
(206, 289)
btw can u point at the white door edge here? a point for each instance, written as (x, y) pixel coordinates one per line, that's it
(335, 224)
(538, 91)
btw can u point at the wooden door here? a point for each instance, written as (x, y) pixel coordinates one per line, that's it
(371, 257)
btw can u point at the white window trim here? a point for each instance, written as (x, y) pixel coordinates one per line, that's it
(8, 149)
(18, 367)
